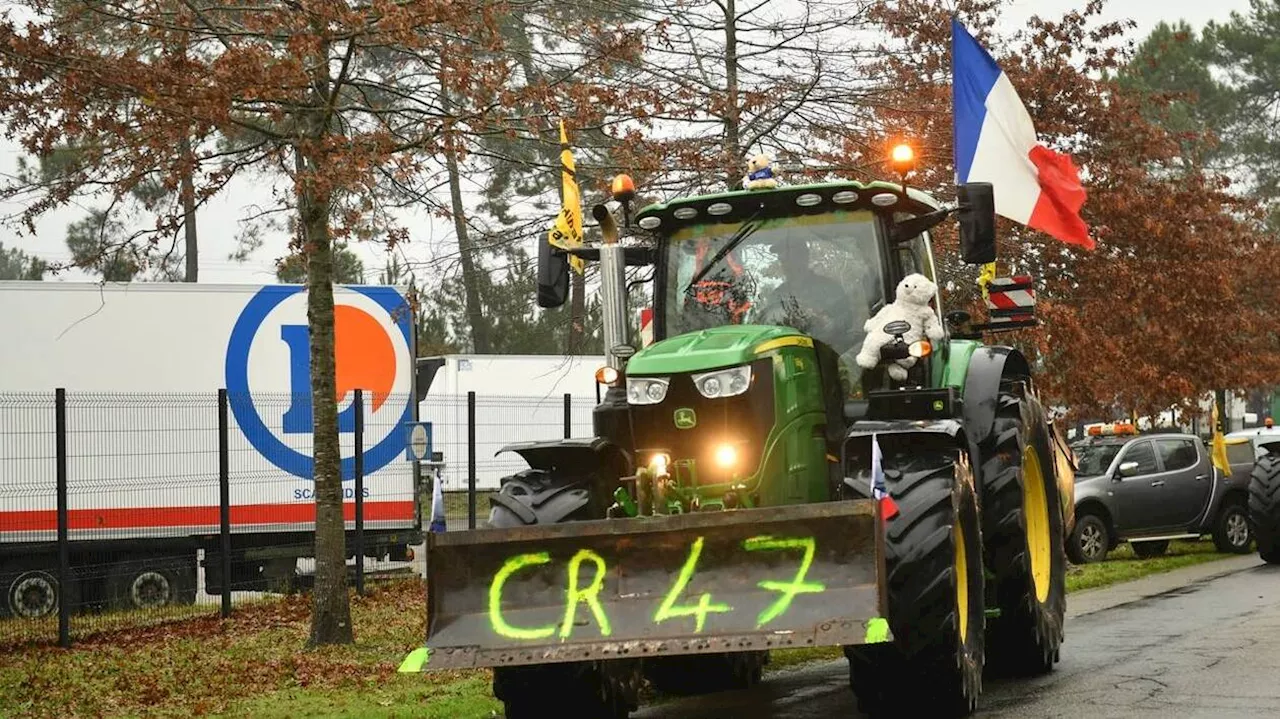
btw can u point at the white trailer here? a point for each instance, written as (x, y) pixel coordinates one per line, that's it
(142, 365)
(517, 398)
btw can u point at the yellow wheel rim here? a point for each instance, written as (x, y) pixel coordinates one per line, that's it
(962, 579)
(1035, 506)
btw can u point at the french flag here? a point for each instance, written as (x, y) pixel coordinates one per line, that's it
(995, 142)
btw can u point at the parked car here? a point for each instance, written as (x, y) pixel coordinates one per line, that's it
(1149, 489)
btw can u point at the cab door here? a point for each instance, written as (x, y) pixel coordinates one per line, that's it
(1185, 482)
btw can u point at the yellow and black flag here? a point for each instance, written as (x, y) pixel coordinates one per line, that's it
(1218, 452)
(567, 231)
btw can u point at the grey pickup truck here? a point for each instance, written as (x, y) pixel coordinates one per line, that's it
(1149, 489)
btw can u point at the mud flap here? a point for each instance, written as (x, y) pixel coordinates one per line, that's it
(741, 580)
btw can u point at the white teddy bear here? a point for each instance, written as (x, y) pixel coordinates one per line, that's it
(910, 305)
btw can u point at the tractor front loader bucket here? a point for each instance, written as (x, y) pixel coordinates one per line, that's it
(740, 580)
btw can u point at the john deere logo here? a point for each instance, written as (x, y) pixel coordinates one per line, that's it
(685, 418)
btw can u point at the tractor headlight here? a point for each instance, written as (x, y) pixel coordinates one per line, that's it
(723, 382)
(646, 390)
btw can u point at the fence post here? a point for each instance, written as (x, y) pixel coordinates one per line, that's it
(568, 415)
(224, 502)
(471, 460)
(359, 492)
(64, 550)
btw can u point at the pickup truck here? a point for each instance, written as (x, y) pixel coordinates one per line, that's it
(1149, 489)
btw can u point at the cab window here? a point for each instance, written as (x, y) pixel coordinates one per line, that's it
(1143, 454)
(1177, 454)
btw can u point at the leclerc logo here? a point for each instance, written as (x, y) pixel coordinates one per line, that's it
(373, 352)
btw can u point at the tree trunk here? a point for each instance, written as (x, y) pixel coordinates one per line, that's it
(189, 213)
(331, 607)
(732, 120)
(466, 255)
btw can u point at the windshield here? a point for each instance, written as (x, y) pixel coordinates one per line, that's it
(819, 274)
(1095, 459)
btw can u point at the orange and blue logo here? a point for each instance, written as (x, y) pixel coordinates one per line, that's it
(373, 352)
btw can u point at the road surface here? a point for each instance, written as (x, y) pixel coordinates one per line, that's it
(1199, 642)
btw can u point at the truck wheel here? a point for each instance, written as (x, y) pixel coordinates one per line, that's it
(1231, 534)
(934, 577)
(33, 594)
(1147, 550)
(1264, 506)
(150, 584)
(610, 688)
(706, 673)
(1090, 541)
(1023, 535)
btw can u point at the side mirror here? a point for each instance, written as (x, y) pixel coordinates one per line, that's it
(1128, 469)
(553, 275)
(977, 214)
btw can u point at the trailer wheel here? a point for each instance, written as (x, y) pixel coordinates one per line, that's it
(1024, 537)
(934, 569)
(150, 584)
(1264, 506)
(34, 594)
(609, 689)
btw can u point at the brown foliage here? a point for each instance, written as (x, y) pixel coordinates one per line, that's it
(1173, 302)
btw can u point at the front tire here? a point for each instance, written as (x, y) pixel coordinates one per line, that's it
(1023, 534)
(706, 673)
(1090, 541)
(609, 689)
(934, 570)
(1264, 506)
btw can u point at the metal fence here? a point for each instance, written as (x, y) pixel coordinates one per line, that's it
(121, 510)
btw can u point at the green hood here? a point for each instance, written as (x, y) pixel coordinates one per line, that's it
(709, 349)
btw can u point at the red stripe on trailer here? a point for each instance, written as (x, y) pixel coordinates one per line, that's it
(150, 517)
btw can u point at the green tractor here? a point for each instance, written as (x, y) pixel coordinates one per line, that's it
(750, 487)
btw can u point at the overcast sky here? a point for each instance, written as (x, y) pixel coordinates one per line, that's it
(217, 227)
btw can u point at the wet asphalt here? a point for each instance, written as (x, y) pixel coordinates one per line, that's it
(1195, 646)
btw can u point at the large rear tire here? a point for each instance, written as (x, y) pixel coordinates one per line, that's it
(1023, 536)
(609, 689)
(1264, 506)
(933, 555)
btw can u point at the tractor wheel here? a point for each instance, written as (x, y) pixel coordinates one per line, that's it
(1264, 506)
(609, 689)
(933, 564)
(1023, 537)
(706, 673)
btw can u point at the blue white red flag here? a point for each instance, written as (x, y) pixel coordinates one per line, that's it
(879, 491)
(995, 142)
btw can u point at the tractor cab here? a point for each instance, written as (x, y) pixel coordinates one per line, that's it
(818, 259)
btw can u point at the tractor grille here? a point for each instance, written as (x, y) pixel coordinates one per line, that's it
(743, 421)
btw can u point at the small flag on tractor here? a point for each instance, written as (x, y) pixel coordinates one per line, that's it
(567, 231)
(1219, 453)
(888, 508)
(437, 503)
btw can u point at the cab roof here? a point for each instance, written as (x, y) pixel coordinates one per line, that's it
(793, 200)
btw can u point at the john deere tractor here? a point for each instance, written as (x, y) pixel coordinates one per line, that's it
(749, 487)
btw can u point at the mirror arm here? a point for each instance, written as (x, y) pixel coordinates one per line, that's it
(908, 229)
